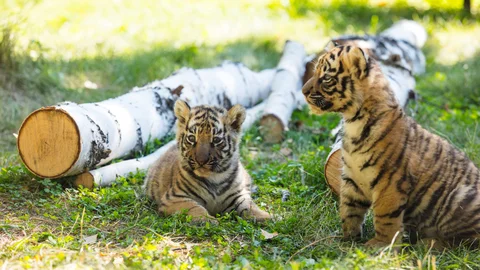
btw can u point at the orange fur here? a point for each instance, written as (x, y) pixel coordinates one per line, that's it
(203, 174)
(415, 181)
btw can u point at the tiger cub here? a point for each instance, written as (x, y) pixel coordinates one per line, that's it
(415, 181)
(202, 174)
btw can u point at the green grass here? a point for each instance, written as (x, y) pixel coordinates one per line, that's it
(49, 49)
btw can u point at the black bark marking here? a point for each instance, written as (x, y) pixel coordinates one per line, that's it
(98, 149)
(139, 144)
(227, 104)
(164, 106)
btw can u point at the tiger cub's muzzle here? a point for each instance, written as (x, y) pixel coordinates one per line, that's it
(315, 97)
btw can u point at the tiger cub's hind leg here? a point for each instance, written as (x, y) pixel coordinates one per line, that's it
(353, 207)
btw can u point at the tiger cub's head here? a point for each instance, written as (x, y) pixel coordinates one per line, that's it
(208, 136)
(339, 80)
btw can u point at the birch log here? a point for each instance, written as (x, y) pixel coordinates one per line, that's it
(106, 175)
(70, 138)
(397, 50)
(282, 100)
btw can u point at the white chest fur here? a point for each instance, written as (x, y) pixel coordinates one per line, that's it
(352, 168)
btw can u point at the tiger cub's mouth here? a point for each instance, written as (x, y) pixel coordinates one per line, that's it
(202, 171)
(318, 104)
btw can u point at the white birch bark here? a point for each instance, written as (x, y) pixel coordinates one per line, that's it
(116, 127)
(106, 175)
(287, 83)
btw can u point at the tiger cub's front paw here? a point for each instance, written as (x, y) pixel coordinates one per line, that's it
(202, 220)
(352, 232)
(376, 243)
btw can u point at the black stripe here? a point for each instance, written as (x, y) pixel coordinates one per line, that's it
(382, 171)
(371, 161)
(202, 184)
(385, 133)
(462, 213)
(423, 190)
(356, 117)
(426, 148)
(340, 68)
(174, 194)
(190, 191)
(366, 130)
(449, 187)
(238, 204)
(231, 204)
(228, 181)
(346, 106)
(357, 203)
(455, 231)
(340, 50)
(231, 195)
(350, 181)
(393, 214)
(343, 83)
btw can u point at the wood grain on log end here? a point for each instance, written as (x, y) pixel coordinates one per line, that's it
(333, 170)
(271, 129)
(85, 180)
(49, 142)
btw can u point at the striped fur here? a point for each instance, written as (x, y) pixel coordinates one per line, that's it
(203, 174)
(415, 181)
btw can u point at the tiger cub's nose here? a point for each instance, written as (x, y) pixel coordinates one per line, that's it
(202, 155)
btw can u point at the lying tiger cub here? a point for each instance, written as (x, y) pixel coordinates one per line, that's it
(414, 180)
(202, 174)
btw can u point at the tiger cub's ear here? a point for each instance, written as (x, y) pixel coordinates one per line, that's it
(357, 61)
(235, 117)
(330, 46)
(182, 111)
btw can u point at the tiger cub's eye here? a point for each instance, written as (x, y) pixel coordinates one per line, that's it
(191, 138)
(327, 79)
(217, 140)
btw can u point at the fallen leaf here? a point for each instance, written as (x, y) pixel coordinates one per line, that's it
(268, 235)
(286, 151)
(90, 239)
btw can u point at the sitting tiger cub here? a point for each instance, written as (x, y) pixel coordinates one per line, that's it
(202, 174)
(414, 180)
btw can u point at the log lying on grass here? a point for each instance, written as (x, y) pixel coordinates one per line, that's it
(69, 138)
(106, 175)
(283, 98)
(397, 50)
